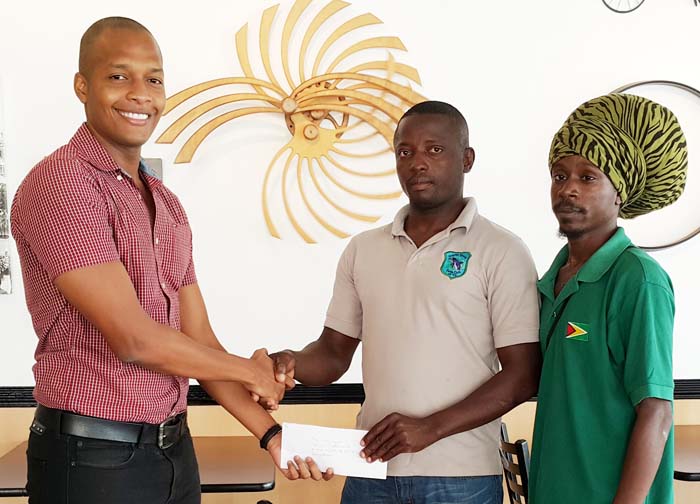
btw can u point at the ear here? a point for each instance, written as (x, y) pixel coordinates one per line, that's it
(618, 200)
(80, 87)
(468, 159)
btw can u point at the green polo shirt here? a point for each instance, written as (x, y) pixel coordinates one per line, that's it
(607, 344)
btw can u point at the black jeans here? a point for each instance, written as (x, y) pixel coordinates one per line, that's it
(66, 469)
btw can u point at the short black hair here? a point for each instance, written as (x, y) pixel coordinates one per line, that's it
(435, 107)
(96, 29)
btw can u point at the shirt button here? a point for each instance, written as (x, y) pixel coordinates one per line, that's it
(554, 314)
(140, 197)
(120, 178)
(157, 240)
(163, 285)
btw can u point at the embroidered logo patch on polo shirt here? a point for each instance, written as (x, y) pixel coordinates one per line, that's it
(455, 264)
(576, 331)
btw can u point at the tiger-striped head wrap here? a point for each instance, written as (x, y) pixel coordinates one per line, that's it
(636, 142)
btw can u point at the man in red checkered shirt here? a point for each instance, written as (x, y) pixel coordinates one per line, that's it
(106, 253)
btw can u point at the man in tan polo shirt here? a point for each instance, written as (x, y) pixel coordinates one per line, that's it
(438, 298)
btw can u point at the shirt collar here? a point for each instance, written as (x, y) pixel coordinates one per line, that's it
(148, 171)
(463, 220)
(91, 150)
(595, 267)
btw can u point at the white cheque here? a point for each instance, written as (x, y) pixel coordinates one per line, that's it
(329, 447)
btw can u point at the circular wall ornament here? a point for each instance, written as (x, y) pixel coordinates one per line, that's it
(677, 220)
(623, 6)
(337, 91)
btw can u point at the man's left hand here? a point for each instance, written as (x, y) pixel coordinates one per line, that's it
(397, 434)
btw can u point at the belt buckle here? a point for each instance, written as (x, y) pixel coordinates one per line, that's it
(163, 442)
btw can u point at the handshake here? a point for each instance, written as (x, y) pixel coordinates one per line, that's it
(323, 362)
(272, 375)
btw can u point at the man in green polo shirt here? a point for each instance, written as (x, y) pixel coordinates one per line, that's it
(603, 430)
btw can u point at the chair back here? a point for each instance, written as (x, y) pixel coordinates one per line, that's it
(515, 458)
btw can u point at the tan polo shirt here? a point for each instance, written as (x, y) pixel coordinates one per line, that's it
(430, 320)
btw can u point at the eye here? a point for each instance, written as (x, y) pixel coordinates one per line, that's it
(402, 153)
(436, 149)
(156, 81)
(117, 77)
(558, 177)
(588, 178)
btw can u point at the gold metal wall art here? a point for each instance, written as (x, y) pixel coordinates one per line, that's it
(340, 105)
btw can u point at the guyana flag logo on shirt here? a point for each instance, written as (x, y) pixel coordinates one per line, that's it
(576, 331)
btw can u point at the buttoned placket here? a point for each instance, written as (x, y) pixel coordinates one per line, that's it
(156, 255)
(154, 233)
(419, 252)
(157, 226)
(559, 305)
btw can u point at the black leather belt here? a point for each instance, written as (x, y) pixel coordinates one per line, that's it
(164, 434)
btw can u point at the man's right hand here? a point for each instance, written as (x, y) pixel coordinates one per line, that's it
(284, 364)
(283, 367)
(264, 387)
(321, 362)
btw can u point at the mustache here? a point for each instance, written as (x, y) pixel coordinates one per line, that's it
(419, 179)
(565, 206)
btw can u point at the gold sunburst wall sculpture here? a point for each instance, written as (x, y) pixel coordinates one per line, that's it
(341, 116)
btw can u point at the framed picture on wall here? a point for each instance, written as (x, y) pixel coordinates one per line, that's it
(2, 155)
(5, 274)
(5, 277)
(4, 213)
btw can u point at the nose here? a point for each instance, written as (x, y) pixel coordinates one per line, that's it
(419, 162)
(568, 188)
(139, 91)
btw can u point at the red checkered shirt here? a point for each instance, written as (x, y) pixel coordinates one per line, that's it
(77, 208)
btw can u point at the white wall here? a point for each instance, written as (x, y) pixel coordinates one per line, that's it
(515, 69)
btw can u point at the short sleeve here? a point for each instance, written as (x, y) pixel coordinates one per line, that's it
(345, 310)
(63, 216)
(190, 276)
(513, 298)
(645, 325)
